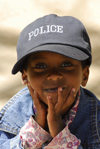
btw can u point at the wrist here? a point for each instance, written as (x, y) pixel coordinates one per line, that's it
(40, 120)
(56, 126)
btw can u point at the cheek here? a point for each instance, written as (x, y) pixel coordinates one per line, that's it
(36, 83)
(74, 79)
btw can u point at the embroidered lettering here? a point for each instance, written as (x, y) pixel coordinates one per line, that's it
(41, 30)
(45, 29)
(30, 35)
(36, 32)
(60, 29)
(53, 28)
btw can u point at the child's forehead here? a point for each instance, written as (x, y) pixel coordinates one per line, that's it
(50, 56)
(47, 54)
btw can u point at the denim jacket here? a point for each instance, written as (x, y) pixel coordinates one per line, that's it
(85, 126)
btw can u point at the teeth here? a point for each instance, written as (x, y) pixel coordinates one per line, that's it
(51, 89)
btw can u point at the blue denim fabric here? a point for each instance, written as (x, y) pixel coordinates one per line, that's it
(94, 139)
(86, 125)
(13, 116)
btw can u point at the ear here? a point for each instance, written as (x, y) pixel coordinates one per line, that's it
(85, 76)
(24, 77)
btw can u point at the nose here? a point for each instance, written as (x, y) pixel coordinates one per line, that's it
(54, 77)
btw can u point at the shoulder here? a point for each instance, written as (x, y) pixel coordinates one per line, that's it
(87, 120)
(18, 100)
(94, 116)
(17, 111)
(87, 94)
(87, 97)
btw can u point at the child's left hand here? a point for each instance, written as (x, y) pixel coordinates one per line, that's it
(55, 112)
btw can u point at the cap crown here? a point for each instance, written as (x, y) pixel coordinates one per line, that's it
(61, 34)
(52, 29)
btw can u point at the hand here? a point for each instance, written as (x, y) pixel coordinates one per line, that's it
(55, 112)
(41, 110)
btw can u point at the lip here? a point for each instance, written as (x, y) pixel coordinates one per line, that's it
(53, 89)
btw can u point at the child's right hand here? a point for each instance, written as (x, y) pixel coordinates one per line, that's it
(41, 110)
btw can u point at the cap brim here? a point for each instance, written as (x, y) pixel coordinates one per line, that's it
(65, 50)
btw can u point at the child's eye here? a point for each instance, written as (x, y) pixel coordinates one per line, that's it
(66, 64)
(40, 67)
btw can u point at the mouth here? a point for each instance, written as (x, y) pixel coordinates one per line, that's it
(52, 90)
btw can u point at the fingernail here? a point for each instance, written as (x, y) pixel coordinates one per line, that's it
(60, 89)
(28, 84)
(73, 90)
(34, 92)
(49, 97)
(24, 82)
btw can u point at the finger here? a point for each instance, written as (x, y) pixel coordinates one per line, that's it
(36, 99)
(24, 81)
(60, 98)
(50, 104)
(30, 89)
(70, 100)
(72, 95)
(62, 95)
(34, 95)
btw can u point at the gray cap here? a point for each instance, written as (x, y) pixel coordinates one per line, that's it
(65, 35)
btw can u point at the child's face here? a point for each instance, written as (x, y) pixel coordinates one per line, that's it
(47, 71)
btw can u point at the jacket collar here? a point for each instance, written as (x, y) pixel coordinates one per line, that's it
(16, 112)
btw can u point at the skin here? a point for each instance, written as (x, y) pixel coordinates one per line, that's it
(53, 81)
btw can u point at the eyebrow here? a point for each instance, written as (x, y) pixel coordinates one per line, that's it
(34, 57)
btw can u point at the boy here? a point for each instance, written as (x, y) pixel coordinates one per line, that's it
(53, 111)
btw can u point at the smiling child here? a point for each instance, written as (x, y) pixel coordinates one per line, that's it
(54, 111)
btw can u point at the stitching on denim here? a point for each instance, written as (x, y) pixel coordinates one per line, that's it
(4, 130)
(8, 129)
